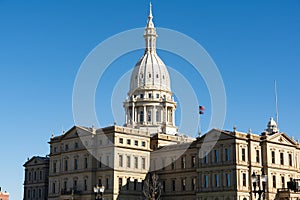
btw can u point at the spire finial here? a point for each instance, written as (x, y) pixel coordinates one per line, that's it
(150, 11)
(150, 33)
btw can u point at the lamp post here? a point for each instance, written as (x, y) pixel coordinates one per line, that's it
(256, 183)
(99, 192)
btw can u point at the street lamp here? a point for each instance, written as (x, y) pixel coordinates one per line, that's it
(99, 192)
(256, 182)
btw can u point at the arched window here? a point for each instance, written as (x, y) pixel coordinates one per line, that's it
(141, 116)
(157, 116)
(149, 115)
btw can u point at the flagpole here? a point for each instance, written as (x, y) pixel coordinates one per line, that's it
(276, 101)
(199, 125)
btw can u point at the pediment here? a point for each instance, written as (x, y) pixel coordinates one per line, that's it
(36, 161)
(282, 138)
(216, 134)
(72, 133)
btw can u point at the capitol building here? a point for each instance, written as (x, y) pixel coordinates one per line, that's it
(120, 159)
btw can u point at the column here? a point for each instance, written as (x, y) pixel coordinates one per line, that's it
(126, 115)
(132, 115)
(173, 114)
(165, 114)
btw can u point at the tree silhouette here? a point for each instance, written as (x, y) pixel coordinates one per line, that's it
(152, 187)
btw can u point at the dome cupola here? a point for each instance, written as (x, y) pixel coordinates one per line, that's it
(149, 104)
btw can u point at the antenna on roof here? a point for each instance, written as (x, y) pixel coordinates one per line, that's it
(276, 101)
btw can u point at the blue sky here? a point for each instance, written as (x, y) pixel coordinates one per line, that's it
(43, 43)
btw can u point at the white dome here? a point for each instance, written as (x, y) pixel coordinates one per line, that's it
(150, 73)
(272, 123)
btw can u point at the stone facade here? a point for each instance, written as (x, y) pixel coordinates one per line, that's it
(36, 178)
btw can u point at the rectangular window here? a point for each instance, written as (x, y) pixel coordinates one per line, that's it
(85, 185)
(143, 143)
(66, 147)
(120, 161)
(290, 160)
(121, 140)
(136, 143)
(135, 184)
(157, 96)
(282, 182)
(149, 95)
(228, 180)
(227, 154)
(274, 181)
(76, 145)
(205, 157)
(173, 185)
(136, 162)
(100, 162)
(41, 175)
(173, 164)
(216, 155)
(164, 186)
(128, 141)
(128, 184)
(273, 157)
(86, 163)
(65, 185)
(183, 184)
(40, 193)
(217, 183)
(75, 163)
(183, 162)
(193, 160)
(128, 161)
(107, 184)
(120, 184)
(144, 163)
(206, 181)
(243, 154)
(257, 156)
(75, 184)
(244, 180)
(281, 158)
(193, 183)
(66, 165)
(54, 170)
(53, 188)
(99, 182)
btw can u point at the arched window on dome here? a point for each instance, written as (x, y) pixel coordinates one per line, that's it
(158, 119)
(141, 116)
(149, 116)
(149, 75)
